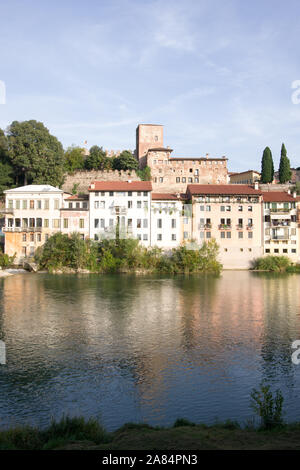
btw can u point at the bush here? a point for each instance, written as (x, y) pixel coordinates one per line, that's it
(272, 263)
(182, 422)
(268, 408)
(6, 261)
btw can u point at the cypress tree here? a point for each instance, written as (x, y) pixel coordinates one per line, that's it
(267, 166)
(284, 166)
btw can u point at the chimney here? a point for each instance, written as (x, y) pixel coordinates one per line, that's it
(289, 191)
(256, 185)
(294, 194)
(92, 185)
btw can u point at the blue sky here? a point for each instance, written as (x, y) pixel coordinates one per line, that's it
(216, 74)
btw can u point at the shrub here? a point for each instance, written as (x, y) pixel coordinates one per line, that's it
(268, 408)
(6, 261)
(272, 263)
(183, 422)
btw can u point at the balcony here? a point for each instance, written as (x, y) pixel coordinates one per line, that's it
(224, 227)
(6, 210)
(249, 227)
(280, 211)
(207, 226)
(22, 229)
(239, 226)
(119, 210)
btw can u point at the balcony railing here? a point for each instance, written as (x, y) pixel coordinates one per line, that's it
(225, 227)
(281, 223)
(22, 229)
(6, 210)
(119, 210)
(280, 211)
(239, 226)
(249, 227)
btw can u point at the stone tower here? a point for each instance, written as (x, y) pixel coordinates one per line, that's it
(148, 136)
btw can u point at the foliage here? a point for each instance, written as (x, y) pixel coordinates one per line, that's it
(268, 408)
(272, 263)
(297, 187)
(62, 251)
(74, 159)
(6, 168)
(97, 159)
(125, 161)
(6, 261)
(144, 174)
(267, 166)
(35, 154)
(182, 422)
(123, 255)
(284, 167)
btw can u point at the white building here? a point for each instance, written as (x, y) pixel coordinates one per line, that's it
(166, 220)
(32, 214)
(280, 225)
(123, 206)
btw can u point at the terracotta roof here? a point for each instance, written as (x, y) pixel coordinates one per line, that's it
(277, 196)
(78, 198)
(120, 186)
(167, 196)
(243, 172)
(239, 189)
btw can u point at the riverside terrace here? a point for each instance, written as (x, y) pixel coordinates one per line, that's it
(234, 215)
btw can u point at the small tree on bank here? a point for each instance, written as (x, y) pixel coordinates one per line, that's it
(284, 167)
(267, 166)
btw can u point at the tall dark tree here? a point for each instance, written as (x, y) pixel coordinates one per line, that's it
(267, 166)
(6, 169)
(284, 167)
(125, 161)
(36, 155)
(97, 159)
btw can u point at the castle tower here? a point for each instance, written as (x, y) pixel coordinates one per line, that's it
(147, 136)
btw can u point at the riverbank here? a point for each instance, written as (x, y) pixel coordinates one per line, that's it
(12, 272)
(78, 434)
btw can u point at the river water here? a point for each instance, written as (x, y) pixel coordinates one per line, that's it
(126, 348)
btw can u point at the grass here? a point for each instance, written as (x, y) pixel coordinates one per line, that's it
(78, 433)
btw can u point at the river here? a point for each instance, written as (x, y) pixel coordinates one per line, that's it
(127, 348)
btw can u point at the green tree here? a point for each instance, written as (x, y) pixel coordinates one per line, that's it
(74, 159)
(6, 168)
(267, 166)
(36, 155)
(125, 161)
(97, 159)
(284, 167)
(145, 173)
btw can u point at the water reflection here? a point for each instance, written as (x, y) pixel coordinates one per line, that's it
(127, 348)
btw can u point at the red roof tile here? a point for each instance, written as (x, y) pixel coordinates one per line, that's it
(239, 189)
(120, 186)
(277, 196)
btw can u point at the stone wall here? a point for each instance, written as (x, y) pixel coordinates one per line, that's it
(84, 178)
(276, 187)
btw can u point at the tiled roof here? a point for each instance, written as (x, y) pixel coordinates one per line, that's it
(167, 196)
(78, 198)
(120, 186)
(35, 188)
(277, 196)
(239, 189)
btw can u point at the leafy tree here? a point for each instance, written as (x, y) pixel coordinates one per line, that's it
(125, 161)
(145, 173)
(6, 169)
(284, 167)
(36, 155)
(267, 406)
(267, 166)
(74, 158)
(97, 159)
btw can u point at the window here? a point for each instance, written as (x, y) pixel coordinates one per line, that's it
(39, 204)
(145, 204)
(31, 204)
(24, 250)
(56, 203)
(185, 220)
(24, 204)
(228, 208)
(196, 180)
(81, 223)
(250, 208)
(111, 193)
(102, 223)
(66, 223)
(102, 204)
(46, 204)
(55, 223)
(159, 237)
(161, 180)
(185, 235)
(240, 224)
(284, 250)
(276, 250)
(201, 208)
(110, 222)
(46, 223)
(250, 222)
(222, 208)
(178, 179)
(70, 205)
(241, 234)
(96, 223)
(84, 205)
(145, 223)
(294, 250)
(208, 234)
(17, 204)
(96, 193)
(228, 234)
(145, 193)
(139, 236)
(190, 180)
(96, 204)
(208, 208)
(96, 238)
(173, 223)
(129, 204)
(145, 236)
(173, 237)
(241, 249)
(24, 237)
(32, 237)
(241, 208)
(250, 234)
(139, 204)
(222, 234)
(39, 237)
(184, 180)
(139, 223)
